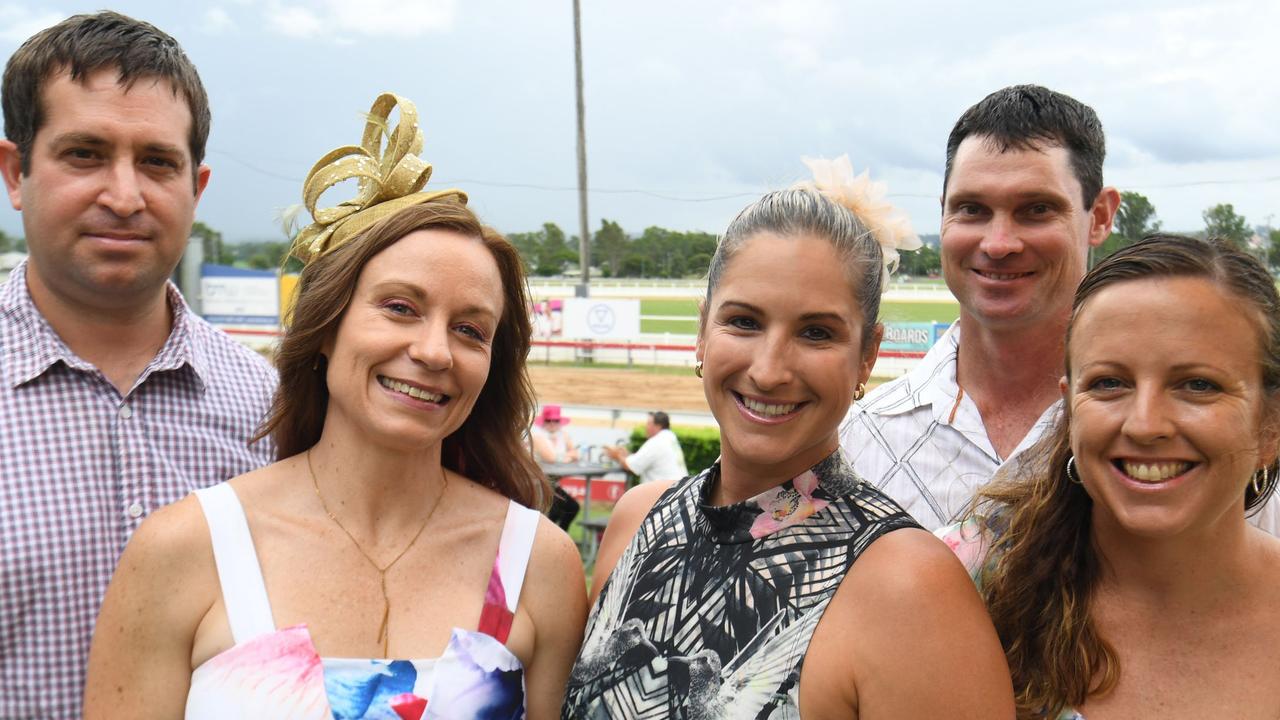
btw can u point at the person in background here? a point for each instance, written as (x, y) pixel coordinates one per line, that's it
(552, 443)
(659, 458)
(115, 398)
(1117, 562)
(776, 583)
(1022, 203)
(389, 564)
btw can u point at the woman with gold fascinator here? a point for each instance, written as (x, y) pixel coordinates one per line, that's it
(776, 583)
(389, 565)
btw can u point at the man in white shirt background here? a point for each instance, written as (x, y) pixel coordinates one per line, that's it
(659, 458)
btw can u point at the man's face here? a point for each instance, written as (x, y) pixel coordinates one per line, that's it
(1015, 235)
(651, 428)
(109, 200)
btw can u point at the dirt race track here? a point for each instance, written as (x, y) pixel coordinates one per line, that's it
(617, 388)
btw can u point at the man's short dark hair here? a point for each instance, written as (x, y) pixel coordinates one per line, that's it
(84, 44)
(1027, 117)
(660, 419)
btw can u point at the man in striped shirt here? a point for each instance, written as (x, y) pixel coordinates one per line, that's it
(1022, 203)
(115, 398)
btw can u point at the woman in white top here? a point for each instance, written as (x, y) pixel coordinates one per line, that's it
(378, 568)
(552, 443)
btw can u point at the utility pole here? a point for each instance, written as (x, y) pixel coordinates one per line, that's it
(584, 237)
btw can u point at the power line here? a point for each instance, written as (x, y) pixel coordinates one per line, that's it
(716, 197)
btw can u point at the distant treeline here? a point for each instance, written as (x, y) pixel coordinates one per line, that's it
(658, 252)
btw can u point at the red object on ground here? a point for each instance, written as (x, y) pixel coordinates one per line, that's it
(606, 491)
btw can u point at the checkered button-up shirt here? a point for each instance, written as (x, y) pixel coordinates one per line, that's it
(81, 466)
(922, 441)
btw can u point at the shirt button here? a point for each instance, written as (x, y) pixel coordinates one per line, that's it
(135, 510)
(126, 412)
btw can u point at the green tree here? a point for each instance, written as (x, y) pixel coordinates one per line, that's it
(609, 246)
(920, 263)
(526, 243)
(1222, 221)
(211, 243)
(1273, 248)
(553, 251)
(697, 265)
(5, 242)
(1136, 217)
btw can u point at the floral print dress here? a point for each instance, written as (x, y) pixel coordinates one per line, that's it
(272, 673)
(709, 611)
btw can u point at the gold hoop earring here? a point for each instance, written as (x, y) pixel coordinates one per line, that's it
(697, 368)
(1072, 475)
(1259, 485)
(860, 392)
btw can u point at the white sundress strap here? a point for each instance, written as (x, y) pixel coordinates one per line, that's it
(515, 548)
(244, 593)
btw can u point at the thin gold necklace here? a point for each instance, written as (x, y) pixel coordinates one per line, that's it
(383, 635)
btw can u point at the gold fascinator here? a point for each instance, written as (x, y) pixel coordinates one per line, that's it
(890, 227)
(390, 178)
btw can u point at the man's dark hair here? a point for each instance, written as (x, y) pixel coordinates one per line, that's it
(1027, 117)
(660, 419)
(84, 44)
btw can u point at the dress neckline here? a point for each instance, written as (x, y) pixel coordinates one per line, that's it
(778, 507)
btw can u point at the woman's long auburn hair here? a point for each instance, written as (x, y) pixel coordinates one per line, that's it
(1039, 590)
(489, 447)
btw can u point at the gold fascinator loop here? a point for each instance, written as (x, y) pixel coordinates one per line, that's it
(890, 227)
(390, 178)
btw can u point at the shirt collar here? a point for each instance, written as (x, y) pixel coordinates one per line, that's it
(31, 346)
(931, 382)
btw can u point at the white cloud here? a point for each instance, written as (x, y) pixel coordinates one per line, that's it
(17, 22)
(294, 21)
(339, 20)
(216, 21)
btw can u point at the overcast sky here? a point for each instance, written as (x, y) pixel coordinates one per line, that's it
(694, 108)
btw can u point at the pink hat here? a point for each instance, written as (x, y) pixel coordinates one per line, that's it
(551, 413)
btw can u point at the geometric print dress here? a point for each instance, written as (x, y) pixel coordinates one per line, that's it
(709, 611)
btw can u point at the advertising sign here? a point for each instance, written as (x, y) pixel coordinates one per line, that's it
(236, 296)
(588, 318)
(911, 337)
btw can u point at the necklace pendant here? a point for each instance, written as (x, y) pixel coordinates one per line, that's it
(382, 627)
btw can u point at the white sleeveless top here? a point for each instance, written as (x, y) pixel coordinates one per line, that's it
(276, 673)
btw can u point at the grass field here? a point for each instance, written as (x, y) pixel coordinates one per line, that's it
(675, 327)
(669, 306)
(944, 312)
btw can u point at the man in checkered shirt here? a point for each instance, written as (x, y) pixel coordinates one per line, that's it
(115, 399)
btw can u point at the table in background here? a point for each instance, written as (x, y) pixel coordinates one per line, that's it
(586, 471)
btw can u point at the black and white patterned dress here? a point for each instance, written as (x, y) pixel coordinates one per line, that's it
(709, 611)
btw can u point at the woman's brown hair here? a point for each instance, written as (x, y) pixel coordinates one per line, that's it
(1039, 589)
(489, 447)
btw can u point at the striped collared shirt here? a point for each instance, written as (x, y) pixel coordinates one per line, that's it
(82, 465)
(922, 441)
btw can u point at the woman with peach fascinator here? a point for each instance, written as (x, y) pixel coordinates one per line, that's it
(392, 563)
(776, 583)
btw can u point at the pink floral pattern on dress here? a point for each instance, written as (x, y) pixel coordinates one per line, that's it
(278, 670)
(971, 543)
(787, 505)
